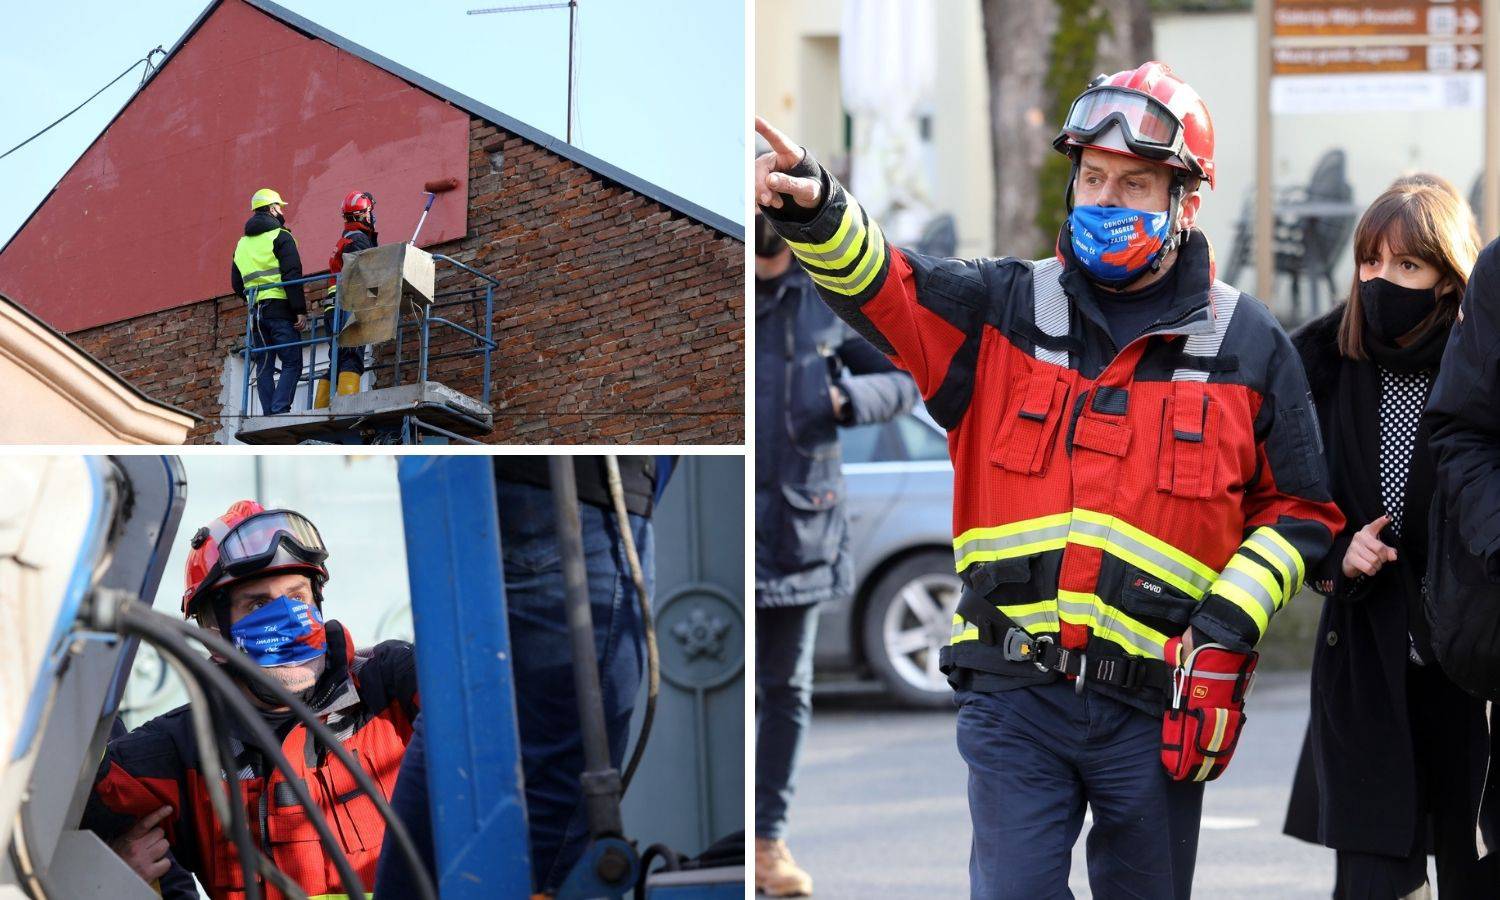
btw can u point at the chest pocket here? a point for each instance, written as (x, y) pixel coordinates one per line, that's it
(1027, 433)
(1189, 442)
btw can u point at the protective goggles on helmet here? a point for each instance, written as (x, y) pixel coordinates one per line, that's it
(254, 543)
(1150, 130)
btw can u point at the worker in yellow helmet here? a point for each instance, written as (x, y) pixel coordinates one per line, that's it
(267, 255)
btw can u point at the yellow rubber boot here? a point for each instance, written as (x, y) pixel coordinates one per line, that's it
(348, 382)
(320, 394)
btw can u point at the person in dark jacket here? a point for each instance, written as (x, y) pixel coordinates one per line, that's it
(1393, 745)
(802, 555)
(1464, 419)
(267, 255)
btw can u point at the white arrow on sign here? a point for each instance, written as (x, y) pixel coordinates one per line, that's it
(1468, 57)
(1470, 21)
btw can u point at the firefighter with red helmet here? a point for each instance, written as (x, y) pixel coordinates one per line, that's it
(358, 234)
(256, 576)
(1137, 475)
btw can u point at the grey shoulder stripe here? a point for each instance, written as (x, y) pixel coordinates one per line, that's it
(1050, 306)
(1223, 299)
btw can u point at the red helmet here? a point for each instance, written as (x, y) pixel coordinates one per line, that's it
(1147, 113)
(250, 541)
(358, 202)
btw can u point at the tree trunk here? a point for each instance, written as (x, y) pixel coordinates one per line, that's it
(1040, 55)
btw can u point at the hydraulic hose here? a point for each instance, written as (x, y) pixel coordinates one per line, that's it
(143, 622)
(653, 664)
(600, 780)
(250, 672)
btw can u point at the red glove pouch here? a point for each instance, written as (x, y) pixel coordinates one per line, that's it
(1205, 711)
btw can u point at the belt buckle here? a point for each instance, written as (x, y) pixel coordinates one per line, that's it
(1045, 639)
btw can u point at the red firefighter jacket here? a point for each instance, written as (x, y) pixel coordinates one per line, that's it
(1109, 498)
(368, 699)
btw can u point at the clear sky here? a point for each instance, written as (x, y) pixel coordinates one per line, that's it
(661, 83)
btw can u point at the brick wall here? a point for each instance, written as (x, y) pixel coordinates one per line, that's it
(618, 320)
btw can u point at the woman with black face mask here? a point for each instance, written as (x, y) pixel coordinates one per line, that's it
(1394, 755)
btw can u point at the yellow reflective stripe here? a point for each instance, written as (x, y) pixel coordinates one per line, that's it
(1089, 610)
(1221, 719)
(1143, 550)
(867, 269)
(842, 249)
(1253, 606)
(1273, 588)
(1024, 538)
(1037, 618)
(1279, 546)
(852, 221)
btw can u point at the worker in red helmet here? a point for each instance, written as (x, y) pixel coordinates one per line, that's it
(358, 234)
(1138, 484)
(256, 576)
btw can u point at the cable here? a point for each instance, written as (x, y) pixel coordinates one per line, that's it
(138, 620)
(239, 830)
(145, 59)
(133, 614)
(653, 666)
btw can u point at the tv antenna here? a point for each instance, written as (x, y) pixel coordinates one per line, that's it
(572, 7)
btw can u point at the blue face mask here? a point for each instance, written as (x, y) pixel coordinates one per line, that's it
(1114, 244)
(281, 633)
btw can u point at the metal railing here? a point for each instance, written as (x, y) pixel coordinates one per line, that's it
(484, 344)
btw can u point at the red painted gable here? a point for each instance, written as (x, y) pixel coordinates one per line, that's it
(147, 219)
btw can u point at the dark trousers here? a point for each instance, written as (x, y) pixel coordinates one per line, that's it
(276, 393)
(551, 741)
(351, 359)
(1441, 715)
(1037, 757)
(784, 638)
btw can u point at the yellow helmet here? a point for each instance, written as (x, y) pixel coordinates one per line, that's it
(265, 197)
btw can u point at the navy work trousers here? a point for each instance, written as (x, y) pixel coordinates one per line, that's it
(1037, 757)
(276, 393)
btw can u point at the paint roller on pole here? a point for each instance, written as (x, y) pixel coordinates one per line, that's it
(433, 188)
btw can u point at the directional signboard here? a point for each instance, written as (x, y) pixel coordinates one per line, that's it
(1379, 55)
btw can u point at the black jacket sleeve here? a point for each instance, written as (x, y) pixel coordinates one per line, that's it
(285, 248)
(877, 390)
(1465, 419)
(235, 281)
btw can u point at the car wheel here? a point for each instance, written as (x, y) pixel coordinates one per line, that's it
(907, 622)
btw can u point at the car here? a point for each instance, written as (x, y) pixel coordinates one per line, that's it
(899, 498)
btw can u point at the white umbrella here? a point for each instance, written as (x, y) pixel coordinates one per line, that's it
(886, 63)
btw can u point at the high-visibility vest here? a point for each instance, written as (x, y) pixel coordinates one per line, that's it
(255, 257)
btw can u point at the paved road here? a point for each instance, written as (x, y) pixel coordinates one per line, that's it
(881, 809)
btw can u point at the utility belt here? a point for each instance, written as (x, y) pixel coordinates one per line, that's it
(1206, 692)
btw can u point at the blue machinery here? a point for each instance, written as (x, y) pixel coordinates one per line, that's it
(405, 426)
(473, 751)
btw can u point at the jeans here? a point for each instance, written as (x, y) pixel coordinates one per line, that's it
(1037, 756)
(351, 359)
(276, 394)
(551, 740)
(784, 638)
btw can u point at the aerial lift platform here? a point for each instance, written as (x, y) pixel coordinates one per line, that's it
(82, 547)
(387, 295)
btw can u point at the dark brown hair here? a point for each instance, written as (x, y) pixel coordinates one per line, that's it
(1420, 215)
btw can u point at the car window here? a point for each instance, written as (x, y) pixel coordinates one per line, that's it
(877, 442)
(920, 440)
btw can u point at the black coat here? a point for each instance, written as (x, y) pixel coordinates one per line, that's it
(287, 258)
(1464, 416)
(1356, 785)
(801, 348)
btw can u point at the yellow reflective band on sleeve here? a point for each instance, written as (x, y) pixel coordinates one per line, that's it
(1221, 719)
(1014, 539)
(1273, 588)
(1111, 624)
(864, 272)
(1276, 548)
(1142, 550)
(839, 250)
(1251, 600)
